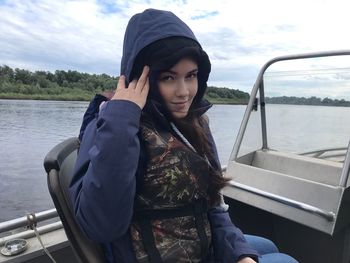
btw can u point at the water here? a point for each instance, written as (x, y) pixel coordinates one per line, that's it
(29, 129)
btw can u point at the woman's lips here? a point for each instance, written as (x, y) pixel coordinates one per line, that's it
(179, 105)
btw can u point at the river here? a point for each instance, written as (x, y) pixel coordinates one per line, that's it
(29, 129)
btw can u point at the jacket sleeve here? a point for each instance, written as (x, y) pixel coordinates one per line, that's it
(228, 241)
(91, 113)
(103, 186)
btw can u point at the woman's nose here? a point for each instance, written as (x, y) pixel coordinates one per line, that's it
(182, 88)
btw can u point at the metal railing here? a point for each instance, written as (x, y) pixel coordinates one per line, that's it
(10, 225)
(327, 153)
(23, 221)
(330, 216)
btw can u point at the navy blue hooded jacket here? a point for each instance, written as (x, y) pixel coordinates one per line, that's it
(109, 163)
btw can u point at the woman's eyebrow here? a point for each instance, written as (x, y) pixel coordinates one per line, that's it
(193, 71)
(175, 73)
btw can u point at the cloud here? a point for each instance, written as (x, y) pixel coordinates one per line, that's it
(87, 35)
(73, 35)
(320, 83)
(110, 7)
(205, 15)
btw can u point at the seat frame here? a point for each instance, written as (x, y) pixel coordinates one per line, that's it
(59, 165)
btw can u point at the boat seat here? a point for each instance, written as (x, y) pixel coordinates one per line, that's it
(59, 164)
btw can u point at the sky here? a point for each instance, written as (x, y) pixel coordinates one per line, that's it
(239, 36)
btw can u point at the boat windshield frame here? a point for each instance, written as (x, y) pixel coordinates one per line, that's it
(259, 87)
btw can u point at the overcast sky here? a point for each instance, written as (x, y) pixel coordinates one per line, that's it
(239, 36)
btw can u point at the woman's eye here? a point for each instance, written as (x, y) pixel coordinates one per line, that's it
(192, 76)
(166, 78)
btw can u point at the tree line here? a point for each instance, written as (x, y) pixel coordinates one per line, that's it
(307, 101)
(73, 85)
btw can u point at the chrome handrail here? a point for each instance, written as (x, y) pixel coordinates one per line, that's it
(23, 221)
(318, 153)
(330, 216)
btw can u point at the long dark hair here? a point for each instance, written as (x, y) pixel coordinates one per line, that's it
(161, 55)
(196, 130)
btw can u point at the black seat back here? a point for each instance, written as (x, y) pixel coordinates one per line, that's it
(59, 164)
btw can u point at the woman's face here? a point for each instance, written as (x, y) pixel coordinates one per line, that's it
(178, 86)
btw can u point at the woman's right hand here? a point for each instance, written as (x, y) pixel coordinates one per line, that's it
(246, 260)
(137, 90)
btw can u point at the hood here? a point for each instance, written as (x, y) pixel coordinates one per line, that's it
(147, 27)
(167, 38)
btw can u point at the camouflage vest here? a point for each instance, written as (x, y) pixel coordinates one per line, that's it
(170, 207)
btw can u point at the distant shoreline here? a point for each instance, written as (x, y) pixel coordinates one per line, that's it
(216, 101)
(72, 98)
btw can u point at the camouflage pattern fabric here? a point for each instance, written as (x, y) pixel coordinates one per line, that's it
(175, 177)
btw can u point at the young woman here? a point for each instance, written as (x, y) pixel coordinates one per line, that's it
(147, 179)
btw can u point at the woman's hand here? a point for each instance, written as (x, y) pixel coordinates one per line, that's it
(137, 90)
(246, 260)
